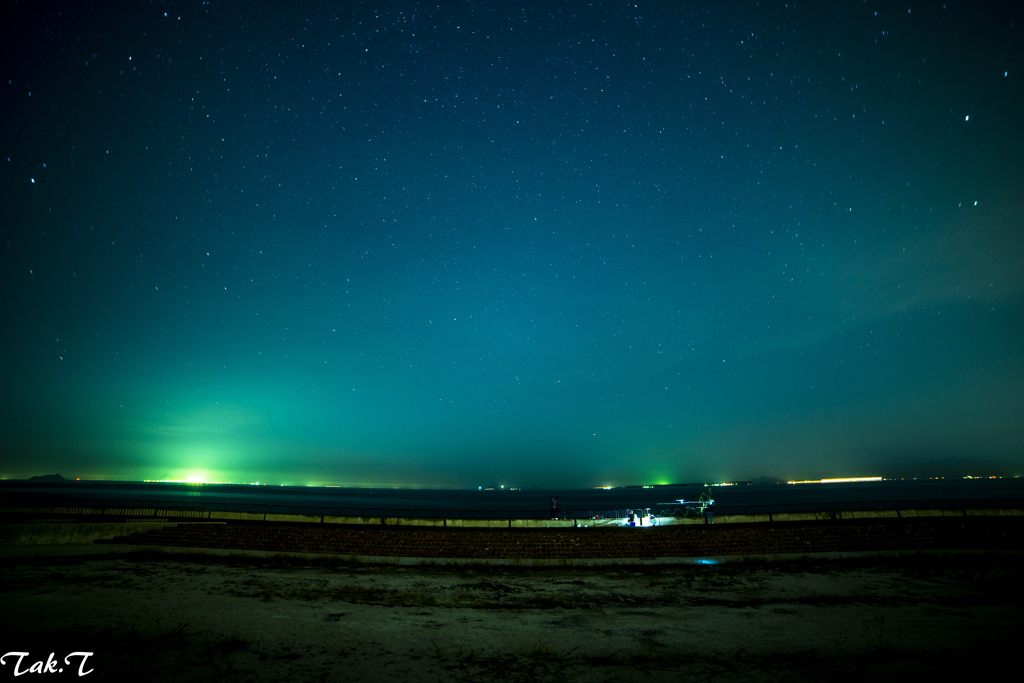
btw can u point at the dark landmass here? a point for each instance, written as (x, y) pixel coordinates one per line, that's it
(767, 480)
(48, 477)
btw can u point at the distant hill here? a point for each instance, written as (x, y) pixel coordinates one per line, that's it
(767, 480)
(48, 477)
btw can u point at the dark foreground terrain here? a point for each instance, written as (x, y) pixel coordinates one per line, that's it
(162, 616)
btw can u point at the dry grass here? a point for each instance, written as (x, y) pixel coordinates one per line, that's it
(169, 616)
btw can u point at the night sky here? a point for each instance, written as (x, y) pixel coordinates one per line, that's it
(556, 244)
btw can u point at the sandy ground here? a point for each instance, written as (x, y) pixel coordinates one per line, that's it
(160, 616)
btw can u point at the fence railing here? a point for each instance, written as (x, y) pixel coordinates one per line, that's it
(143, 508)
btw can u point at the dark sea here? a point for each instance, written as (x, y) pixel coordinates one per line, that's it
(14, 492)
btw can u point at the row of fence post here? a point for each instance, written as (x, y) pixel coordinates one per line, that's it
(10, 505)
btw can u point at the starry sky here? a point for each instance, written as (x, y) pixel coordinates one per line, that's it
(550, 244)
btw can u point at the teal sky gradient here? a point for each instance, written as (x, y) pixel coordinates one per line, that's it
(563, 245)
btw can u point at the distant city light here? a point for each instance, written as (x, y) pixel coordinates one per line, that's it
(190, 480)
(835, 481)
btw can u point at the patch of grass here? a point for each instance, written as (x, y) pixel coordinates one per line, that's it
(535, 663)
(646, 641)
(550, 602)
(335, 616)
(127, 652)
(883, 642)
(234, 643)
(994, 572)
(540, 650)
(358, 595)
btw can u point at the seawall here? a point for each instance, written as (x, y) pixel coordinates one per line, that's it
(554, 542)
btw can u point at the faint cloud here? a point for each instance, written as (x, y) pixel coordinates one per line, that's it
(976, 256)
(210, 420)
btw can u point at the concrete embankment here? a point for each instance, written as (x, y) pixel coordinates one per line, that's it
(71, 532)
(583, 545)
(100, 515)
(525, 541)
(579, 545)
